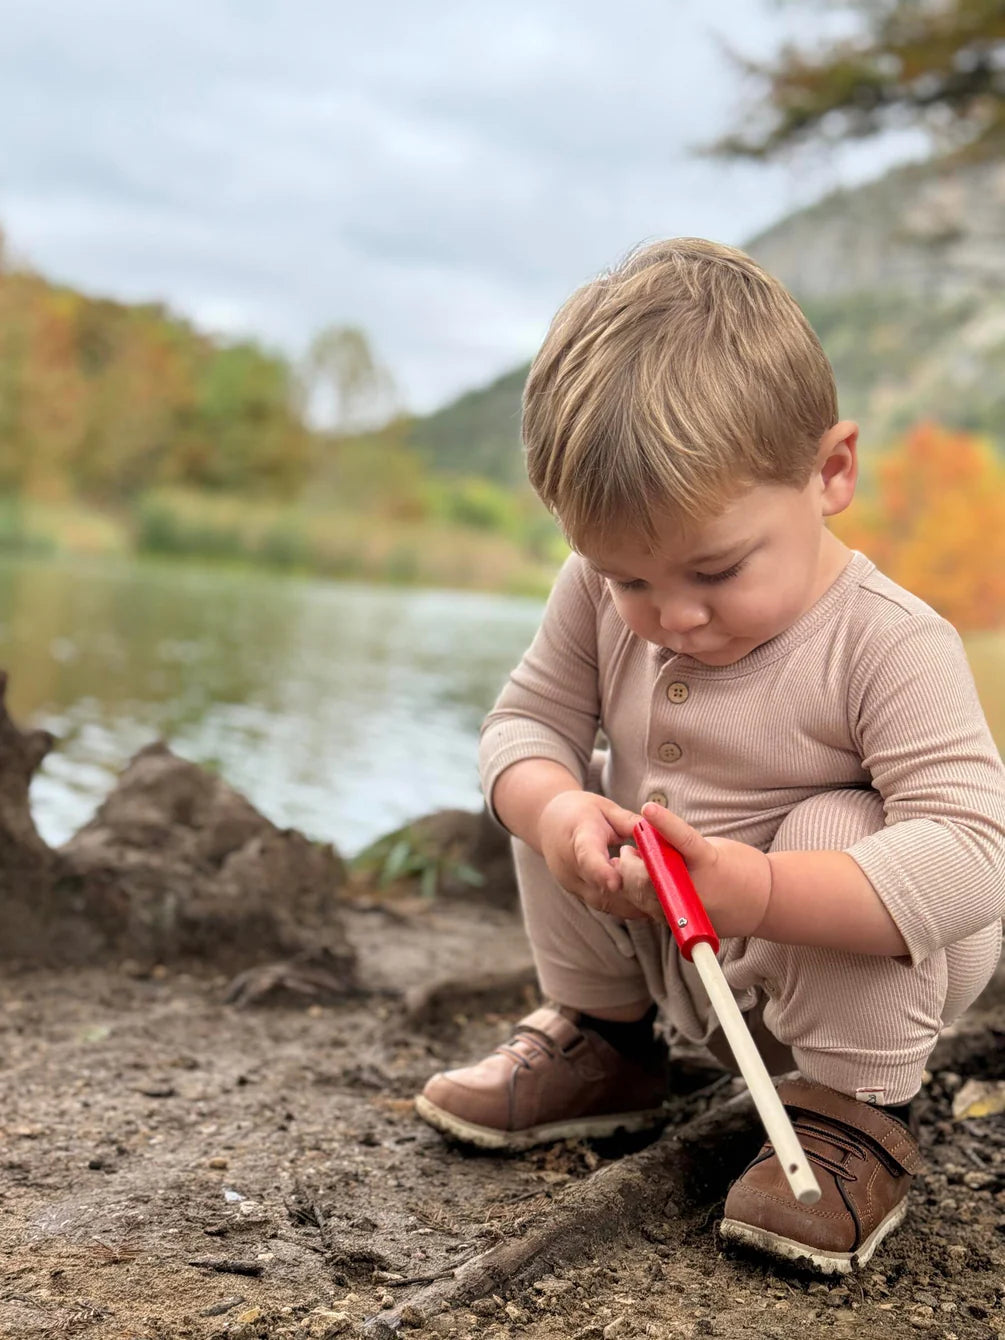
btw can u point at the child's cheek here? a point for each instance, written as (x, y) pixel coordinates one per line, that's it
(633, 612)
(755, 612)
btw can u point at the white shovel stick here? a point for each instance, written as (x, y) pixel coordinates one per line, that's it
(697, 941)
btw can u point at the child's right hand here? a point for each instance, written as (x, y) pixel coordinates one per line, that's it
(576, 828)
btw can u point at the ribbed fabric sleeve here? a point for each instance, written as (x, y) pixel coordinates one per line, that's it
(550, 706)
(939, 864)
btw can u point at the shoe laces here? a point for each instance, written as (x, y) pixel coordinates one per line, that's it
(839, 1140)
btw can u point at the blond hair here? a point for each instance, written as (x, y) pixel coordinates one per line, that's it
(667, 386)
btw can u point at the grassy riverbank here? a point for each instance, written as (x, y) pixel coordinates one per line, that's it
(457, 546)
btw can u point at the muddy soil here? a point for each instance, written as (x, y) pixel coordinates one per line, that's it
(173, 1166)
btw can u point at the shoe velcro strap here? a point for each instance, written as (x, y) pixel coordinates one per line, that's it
(891, 1135)
(553, 1025)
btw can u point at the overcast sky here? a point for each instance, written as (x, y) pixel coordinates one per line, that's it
(441, 173)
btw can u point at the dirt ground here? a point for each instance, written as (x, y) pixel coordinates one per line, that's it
(175, 1167)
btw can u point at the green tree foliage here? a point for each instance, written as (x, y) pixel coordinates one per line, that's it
(935, 64)
(101, 400)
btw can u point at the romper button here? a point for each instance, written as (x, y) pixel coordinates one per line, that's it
(677, 692)
(669, 752)
(657, 798)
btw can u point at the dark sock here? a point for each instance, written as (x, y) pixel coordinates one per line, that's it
(635, 1041)
(902, 1112)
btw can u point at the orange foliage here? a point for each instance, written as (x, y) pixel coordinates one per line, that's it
(935, 523)
(103, 400)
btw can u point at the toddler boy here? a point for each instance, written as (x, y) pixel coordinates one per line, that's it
(805, 731)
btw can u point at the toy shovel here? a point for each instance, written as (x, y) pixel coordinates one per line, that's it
(698, 943)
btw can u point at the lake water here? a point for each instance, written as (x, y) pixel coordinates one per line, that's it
(341, 710)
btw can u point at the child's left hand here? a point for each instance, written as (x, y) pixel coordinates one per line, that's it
(733, 879)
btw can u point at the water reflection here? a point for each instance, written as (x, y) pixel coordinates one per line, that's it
(340, 710)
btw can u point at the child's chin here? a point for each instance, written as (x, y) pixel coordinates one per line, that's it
(728, 655)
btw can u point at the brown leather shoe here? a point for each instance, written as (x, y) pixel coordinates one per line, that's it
(551, 1081)
(864, 1160)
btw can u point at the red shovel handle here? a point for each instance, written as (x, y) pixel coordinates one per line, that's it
(678, 897)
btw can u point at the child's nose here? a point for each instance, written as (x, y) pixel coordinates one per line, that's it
(677, 617)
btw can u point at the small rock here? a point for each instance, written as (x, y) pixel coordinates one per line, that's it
(411, 1315)
(231, 1196)
(247, 1317)
(618, 1327)
(517, 1314)
(324, 1325)
(979, 1181)
(219, 1162)
(485, 1307)
(157, 1089)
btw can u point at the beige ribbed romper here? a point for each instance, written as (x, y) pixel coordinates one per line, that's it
(858, 728)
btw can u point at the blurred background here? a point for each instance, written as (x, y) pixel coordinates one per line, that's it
(270, 278)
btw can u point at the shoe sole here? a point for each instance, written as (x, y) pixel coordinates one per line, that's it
(827, 1263)
(486, 1137)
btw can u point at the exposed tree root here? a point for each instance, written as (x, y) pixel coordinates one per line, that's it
(688, 1167)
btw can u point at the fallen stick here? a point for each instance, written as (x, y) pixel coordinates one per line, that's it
(225, 1266)
(671, 1179)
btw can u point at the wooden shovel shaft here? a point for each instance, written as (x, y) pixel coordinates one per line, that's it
(774, 1117)
(697, 941)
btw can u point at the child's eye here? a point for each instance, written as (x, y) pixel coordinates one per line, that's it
(724, 576)
(637, 585)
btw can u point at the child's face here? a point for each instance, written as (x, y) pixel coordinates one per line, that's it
(724, 587)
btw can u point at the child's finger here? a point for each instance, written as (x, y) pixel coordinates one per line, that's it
(615, 904)
(695, 849)
(594, 865)
(636, 882)
(621, 820)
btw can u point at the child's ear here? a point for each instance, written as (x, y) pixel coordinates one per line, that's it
(837, 463)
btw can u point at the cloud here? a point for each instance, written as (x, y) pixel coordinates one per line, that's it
(440, 174)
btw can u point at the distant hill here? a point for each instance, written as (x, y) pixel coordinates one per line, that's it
(904, 282)
(478, 434)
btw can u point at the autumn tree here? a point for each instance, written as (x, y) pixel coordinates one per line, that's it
(932, 517)
(934, 64)
(102, 400)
